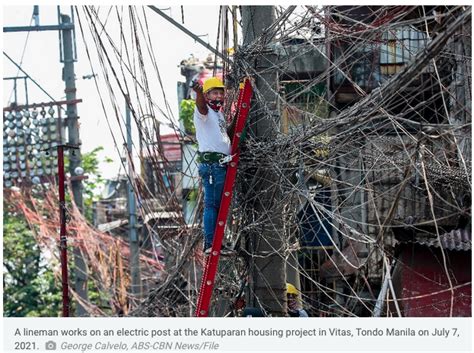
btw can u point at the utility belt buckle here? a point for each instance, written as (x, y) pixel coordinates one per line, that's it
(205, 157)
(225, 159)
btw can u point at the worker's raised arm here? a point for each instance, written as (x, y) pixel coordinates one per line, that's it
(200, 100)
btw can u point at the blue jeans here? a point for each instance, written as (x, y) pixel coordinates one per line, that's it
(213, 177)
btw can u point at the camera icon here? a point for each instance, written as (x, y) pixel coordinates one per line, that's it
(50, 346)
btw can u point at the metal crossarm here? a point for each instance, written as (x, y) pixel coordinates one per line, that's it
(212, 262)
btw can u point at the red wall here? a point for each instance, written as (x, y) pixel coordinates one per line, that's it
(420, 272)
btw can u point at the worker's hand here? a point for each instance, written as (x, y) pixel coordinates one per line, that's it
(196, 86)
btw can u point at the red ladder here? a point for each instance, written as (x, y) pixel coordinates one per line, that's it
(212, 262)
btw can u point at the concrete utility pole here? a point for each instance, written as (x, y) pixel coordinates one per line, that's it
(132, 212)
(269, 266)
(80, 271)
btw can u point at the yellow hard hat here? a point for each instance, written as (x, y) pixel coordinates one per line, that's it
(210, 83)
(291, 289)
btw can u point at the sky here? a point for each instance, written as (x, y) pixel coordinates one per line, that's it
(38, 54)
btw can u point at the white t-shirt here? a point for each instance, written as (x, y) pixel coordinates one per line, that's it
(211, 132)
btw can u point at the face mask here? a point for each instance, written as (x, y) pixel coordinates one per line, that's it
(215, 105)
(292, 304)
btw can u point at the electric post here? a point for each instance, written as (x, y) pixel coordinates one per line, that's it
(268, 267)
(132, 211)
(62, 231)
(80, 271)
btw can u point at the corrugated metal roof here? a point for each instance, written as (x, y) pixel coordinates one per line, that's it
(107, 227)
(160, 215)
(171, 147)
(458, 239)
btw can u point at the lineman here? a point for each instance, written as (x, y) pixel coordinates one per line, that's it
(294, 307)
(214, 142)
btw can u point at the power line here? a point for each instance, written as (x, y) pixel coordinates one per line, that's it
(32, 80)
(22, 56)
(189, 33)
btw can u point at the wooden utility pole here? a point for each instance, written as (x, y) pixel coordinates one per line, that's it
(267, 244)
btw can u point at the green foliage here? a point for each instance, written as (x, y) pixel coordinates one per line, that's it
(29, 286)
(186, 113)
(94, 182)
(193, 195)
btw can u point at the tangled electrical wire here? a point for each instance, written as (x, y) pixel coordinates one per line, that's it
(359, 136)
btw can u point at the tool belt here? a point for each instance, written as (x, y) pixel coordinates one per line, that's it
(210, 157)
